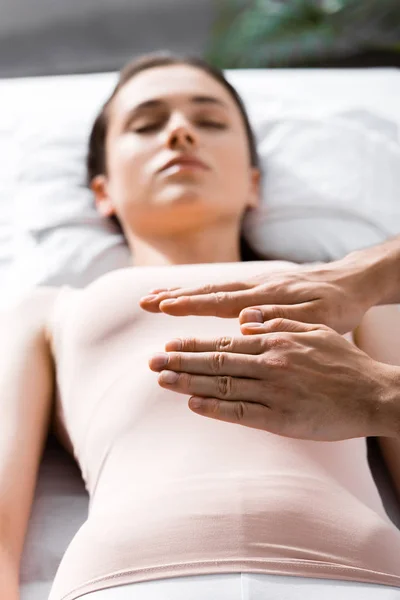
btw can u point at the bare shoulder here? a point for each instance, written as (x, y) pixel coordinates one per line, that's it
(32, 309)
(32, 302)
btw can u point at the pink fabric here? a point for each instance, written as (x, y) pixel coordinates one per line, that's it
(173, 493)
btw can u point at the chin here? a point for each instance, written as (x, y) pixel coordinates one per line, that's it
(174, 197)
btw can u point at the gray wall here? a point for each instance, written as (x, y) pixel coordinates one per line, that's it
(48, 37)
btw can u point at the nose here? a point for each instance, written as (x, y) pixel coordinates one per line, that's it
(180, 135)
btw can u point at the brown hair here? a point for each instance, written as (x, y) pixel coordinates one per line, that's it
(96, 157)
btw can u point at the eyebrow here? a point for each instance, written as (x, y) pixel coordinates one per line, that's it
(158, 103)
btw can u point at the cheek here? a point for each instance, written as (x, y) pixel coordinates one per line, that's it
(233, 172)
(232, 154)
(127, 161)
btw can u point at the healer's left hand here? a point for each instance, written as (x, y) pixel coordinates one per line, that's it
(293, 379)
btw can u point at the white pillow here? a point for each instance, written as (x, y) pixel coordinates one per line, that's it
(8, 127)
(331, 186)
(329, 144)
(60, 237)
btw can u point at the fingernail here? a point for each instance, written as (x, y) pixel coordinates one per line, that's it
(253, 315)
(251, 325)
(159, 360)
(169, 376)
(149, 298)
(174, 345)
(195, 403)
(170, 301)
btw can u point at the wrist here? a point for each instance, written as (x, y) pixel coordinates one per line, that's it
(377, 272)
(389, 400)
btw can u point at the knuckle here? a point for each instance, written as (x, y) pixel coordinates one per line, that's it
(222, 300)
(278, 363)
(279, 342)
(239, 411)
(224, 386)
(189, 344)
(215, 407)
(276, 312)
(220, 297)
(218, 301)
(224, 343)
(267, 286)
(217, 362)
(176, 360)
(186, 380)
(326, 334)
(275, 324)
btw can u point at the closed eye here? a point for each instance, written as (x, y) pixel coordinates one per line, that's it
(208, 124)
(212, 124)
(146, 128)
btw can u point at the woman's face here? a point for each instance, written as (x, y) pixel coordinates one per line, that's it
(166, 113)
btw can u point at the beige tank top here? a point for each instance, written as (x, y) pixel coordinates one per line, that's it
(173, 493)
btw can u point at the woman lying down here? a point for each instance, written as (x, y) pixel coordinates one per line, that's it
(182, 507)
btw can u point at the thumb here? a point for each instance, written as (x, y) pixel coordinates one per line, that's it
(293, 317)
(280, 325)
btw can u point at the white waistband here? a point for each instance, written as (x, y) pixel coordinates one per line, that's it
(247, 586)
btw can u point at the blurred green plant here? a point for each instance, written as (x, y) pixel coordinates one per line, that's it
(281, 33)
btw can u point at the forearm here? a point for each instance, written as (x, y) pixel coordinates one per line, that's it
(377, 271)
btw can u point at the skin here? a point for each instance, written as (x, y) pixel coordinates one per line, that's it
(186, 218)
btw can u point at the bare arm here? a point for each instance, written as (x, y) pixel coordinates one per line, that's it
(26, 392)
(379, 271)
(379, 336)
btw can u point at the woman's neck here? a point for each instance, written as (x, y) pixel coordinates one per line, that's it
(213, 245)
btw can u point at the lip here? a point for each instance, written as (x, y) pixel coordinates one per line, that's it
(185, 162)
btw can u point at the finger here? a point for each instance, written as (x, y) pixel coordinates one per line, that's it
(159, 290)
(151, 302)
(242, 345)
(304, 312)
(209, 363)
(227, 304)
(221, 387)
(179, 296)
(279, 325)
(249, 414)
(230, 286)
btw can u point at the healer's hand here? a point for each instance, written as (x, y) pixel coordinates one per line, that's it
(335, 294)
(296, 380)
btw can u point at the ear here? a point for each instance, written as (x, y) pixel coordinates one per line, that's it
(255, 188)
(104, 204)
